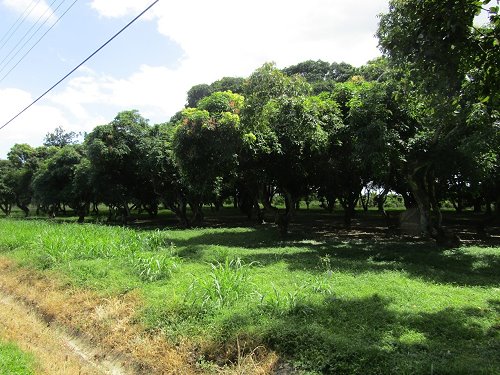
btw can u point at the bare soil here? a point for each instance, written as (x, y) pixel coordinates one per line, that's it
(71, 331)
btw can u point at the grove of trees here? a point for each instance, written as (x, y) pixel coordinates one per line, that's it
(422, 121)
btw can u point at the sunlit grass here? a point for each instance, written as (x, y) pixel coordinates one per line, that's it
(326, 306)
(13, 361)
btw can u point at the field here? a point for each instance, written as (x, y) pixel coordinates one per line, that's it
(242, 299)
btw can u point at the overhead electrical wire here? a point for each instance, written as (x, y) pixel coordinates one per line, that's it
(51, 13)
(80, 64)
(23, 16)
(38, 41)
(31, 37)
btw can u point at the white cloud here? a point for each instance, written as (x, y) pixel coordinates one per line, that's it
(218, 38)
(119, 8)
(286, 31)
(30, 127)
(33, 10)
(227, 38)
(152, 90)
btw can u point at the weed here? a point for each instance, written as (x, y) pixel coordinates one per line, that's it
(325, 263)
(155, 267)
(157, 241)
(227, 283)
(283, 303)
(322, 283)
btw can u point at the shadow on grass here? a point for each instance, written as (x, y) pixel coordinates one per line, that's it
(366, 336)
(419, 259)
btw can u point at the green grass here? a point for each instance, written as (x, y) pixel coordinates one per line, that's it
(325, 305)
(13, 361)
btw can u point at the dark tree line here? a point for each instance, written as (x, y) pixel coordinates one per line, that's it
(422, 121)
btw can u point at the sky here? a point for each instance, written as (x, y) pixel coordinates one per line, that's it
(151, 65)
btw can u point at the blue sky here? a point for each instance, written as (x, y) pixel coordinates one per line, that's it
(78, 34)
(153, 63)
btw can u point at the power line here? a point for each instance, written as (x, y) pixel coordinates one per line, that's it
(29, 31)
(79, 65)
(23, 16)
(38, 41)
(18, 19)
(5, 66)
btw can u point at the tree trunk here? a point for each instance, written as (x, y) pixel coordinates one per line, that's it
(265, 198)
(6, 208)
(409, 200)
(457, 204)
(82, 210)
(349, 204)
(488, 208)
(365, 200)
(125, 213)
(380, 199)
(419, 188)
(196, 206)
(260, 213)
(24, 208)
(179, 208)
(477, 205)
(283, 220)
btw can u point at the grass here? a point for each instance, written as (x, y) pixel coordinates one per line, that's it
(324, 304)
(13, 361)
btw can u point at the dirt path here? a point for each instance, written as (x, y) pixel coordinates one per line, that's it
(56, 352)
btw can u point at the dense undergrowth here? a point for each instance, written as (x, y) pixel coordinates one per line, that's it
(325, 305)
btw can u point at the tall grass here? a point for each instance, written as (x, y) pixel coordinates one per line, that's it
(225, 285)
(90, 251)
(155, 267)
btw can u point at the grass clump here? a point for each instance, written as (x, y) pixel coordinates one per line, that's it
(225, 285)
(155, 267)
(13, 361)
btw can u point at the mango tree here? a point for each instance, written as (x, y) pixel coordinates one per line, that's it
(7, 196)
(451, 73)
(206, 146)
(115, 152)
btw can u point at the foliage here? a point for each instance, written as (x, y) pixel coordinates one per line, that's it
(321, 74)
(53, 182)
(448, 74)
(60, 138)
(313, 129)
(206, 145)
(115, 152)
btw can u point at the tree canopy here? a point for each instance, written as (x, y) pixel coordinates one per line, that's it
(422, 121)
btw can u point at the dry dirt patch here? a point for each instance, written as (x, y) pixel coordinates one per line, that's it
(99, 334)
(56, 351)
